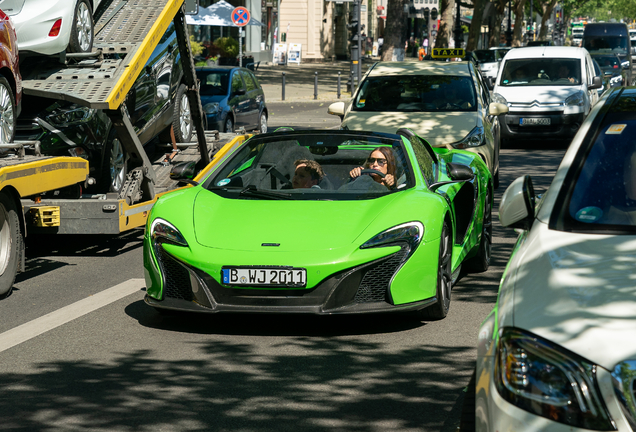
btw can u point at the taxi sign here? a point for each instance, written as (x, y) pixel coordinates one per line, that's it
(448, 52)
(240, 16)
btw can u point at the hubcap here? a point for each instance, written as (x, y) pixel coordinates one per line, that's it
(445, 276)
(263, 123)
(228, 125)
(5, 239)
(83, 27)
(185, 119)
(6, 115)
(117, 165)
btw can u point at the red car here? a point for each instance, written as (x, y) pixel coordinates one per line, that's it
(10, 79)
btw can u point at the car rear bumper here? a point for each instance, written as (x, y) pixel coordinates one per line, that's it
(561, 125)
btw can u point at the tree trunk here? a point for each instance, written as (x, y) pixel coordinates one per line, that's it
(445, 23)
(518, 10)
(547, 11)
(495, 29)
(475, 25)
(395, 33)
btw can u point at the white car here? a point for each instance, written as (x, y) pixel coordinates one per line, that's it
(548, 90)
(52, 26)
(447, 103)
(489, 61)
(558, 351)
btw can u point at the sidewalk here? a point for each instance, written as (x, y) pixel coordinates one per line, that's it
(299, 80)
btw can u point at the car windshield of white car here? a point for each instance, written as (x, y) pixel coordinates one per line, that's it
(213, 82)
(541, 72)
(416, 93)
(314, 166)
(604, 195)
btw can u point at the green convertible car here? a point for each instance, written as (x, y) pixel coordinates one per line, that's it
(322, 222)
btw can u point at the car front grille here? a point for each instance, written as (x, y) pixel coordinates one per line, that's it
(28, 130)
(176, 278)
(374, 286)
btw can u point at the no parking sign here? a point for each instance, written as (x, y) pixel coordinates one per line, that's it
(240, 16)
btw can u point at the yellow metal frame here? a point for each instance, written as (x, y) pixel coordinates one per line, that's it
(36, 177)
(141, 56)
(136, 215)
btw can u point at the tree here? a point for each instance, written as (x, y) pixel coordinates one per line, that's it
(494, 30)
(475, 24)
(518, 9)
(395, 33)
(445, 23)
(546, 11)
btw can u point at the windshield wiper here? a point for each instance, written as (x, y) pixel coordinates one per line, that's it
(252, 191)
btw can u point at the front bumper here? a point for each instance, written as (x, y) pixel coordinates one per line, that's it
(561, 125)
(360, 289)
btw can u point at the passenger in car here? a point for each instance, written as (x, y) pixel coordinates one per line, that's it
(564, 73)
(381, 159)
(308, 174)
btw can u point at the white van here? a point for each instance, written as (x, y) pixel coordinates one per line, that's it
(548, 90)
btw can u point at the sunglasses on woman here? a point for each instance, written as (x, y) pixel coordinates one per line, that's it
(380, 161)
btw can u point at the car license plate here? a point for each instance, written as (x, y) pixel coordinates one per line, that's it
(265, 276)
(532, 121)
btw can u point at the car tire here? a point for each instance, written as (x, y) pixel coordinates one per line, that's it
(82, 31)
(11, 243)
(114, 165)
(262, 122)
(444, 279)
(7, 112)
(182, 117)
(480, 262)
(228, 125)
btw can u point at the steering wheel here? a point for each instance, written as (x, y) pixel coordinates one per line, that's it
(370, 171)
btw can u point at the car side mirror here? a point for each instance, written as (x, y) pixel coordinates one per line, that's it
(496, 108)
(516, 209)
(457, 173)
(596, 83)
(239, 92)
(184, 171)
(337, 108)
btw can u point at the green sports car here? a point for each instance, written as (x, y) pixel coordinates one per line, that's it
(322, 222)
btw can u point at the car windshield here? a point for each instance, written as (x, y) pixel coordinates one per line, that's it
(314, 166)
(541, 72)
(416, 93)
(605, 192)
(608, 62)
(616, 44)
(485, 56)
(213, 82)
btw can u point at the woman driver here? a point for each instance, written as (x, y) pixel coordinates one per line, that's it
(381, 159)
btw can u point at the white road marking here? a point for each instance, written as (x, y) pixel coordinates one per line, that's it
(41, 325)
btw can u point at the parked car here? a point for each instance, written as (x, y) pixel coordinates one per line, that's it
(447, 103)
(549, 91)
(489, 61)
(10, 80)
(52, 26)
(156, 102)
(557, 353)
(232, 98)
(357, 255)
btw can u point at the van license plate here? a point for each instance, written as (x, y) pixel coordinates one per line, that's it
(532, 121)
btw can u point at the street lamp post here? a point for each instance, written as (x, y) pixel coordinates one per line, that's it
(509, 31)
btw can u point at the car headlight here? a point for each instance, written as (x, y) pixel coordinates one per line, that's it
(577, 99)
(212, 108)
(75, 114)
(616, 80)
(162, 231)
(475, 138)
(410, 232)
(549, 381)
(496, 97)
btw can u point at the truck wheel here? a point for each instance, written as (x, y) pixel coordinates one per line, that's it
(182, 118)
(10, 243)
(114, 166)
(82, 30)
(7, 112)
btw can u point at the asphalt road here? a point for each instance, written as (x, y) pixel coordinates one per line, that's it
(81, 351)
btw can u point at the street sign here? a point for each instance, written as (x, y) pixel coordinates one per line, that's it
(240, 16)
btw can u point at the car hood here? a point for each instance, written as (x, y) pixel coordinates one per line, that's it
(437, 128)
(579, 290)
(541, 94)
(295, 225)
